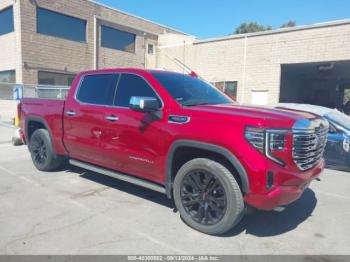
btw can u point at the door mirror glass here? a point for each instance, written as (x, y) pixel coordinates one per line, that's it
(144, 104)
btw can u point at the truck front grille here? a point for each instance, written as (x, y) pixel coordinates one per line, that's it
(308, 146)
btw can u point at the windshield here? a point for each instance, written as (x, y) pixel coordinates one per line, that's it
(191, 91)
(339, 119)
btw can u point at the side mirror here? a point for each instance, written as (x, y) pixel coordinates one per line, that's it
(144, 104)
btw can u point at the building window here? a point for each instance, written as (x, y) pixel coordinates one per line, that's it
(150, 49)
(116, 39)
(6, 21)
(8, 76)
(228, 87)
(60, 25)
(55, 79)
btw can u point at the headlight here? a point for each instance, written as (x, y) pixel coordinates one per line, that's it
(269, 142)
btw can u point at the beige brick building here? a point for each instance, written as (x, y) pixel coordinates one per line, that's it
(27, 51)
(308, 64)
(291, 65)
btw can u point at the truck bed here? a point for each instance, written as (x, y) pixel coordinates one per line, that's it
(49, 111)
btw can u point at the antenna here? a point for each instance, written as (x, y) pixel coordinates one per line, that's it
(184, 67)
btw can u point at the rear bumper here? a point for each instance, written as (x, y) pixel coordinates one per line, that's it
(284, 194)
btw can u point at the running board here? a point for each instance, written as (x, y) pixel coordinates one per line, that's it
(126, 178)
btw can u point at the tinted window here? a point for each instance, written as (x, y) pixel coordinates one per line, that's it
(6, 21)
(60, 25)
(8, 76)
(98, 89)
(116, 39)
(132, 85)
(56, 79)
(190, 91)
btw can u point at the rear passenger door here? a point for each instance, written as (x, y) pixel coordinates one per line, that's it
(86, 116)
(138, 138)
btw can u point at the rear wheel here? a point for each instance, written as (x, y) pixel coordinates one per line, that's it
(42, 152)
(207, 196)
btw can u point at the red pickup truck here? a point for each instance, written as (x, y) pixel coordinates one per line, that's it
(178, 135)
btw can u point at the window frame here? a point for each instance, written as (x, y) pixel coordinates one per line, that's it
(58, 73)
(81, 80)
(116, 89)
(156, 93)
(153, 49)
(224, 88)
(116, 29)
(13, 19)
(61, 37)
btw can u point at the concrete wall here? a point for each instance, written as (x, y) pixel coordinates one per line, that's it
(8, 110)
(255, 60)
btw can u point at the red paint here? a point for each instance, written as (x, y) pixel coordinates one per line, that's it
(122, 144)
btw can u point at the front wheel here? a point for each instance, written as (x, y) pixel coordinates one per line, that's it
(42, 151)
(208, 196)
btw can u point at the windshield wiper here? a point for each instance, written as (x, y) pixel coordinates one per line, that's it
(197, 104)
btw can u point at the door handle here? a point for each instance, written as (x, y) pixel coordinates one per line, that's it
(70, 113)
(112, 118)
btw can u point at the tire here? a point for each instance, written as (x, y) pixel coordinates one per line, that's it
(42, 152)
(218, 204)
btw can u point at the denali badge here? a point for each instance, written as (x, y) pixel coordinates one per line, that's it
(179, 119)
(141, 159)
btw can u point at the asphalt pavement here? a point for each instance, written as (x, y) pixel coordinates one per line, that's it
(78, 212)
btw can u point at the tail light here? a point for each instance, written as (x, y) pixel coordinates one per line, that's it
(270, 142)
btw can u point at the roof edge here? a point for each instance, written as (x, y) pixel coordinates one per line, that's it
(276, 31)
(138, 17)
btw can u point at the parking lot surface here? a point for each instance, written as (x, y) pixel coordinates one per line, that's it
(78, 212)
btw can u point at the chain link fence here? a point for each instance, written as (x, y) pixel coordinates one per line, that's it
(17, 91)
(10, 95)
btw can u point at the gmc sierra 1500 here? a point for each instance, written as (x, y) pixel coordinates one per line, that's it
(178, 135)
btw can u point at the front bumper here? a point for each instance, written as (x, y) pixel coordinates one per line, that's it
(284, 193)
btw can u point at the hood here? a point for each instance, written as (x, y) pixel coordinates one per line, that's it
(271, 116)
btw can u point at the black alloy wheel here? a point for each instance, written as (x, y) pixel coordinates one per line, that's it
(203, 197)
(208, 197)
(39, 150)
(42, 151)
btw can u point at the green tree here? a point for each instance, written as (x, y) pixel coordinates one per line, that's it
(290, 23)
(251, 28)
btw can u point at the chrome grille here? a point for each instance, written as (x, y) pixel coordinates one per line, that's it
(308, 146)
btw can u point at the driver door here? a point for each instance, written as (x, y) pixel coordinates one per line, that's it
(135, 140)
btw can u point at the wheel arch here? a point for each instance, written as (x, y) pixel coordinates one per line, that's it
(231, 158)
(41, 123)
